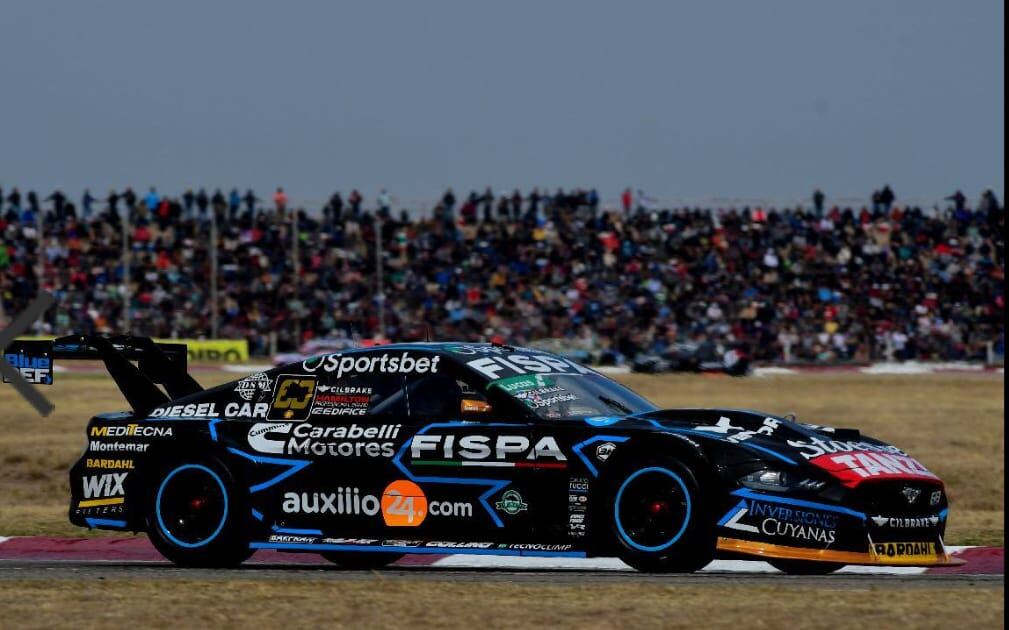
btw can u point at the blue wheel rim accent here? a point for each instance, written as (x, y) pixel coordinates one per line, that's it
(616, 509)
(161, 521)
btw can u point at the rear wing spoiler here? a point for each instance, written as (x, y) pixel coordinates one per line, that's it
(157, 364)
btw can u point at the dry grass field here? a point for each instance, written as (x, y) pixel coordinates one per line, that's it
(953, 424)
(414, 604)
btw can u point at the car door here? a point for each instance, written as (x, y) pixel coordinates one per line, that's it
(468, 461)
(342, 443)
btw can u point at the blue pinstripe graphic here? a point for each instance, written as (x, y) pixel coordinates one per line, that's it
(294, 465)
(302, 532)
(104, 522)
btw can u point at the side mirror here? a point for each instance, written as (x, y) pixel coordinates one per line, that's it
(469, 405)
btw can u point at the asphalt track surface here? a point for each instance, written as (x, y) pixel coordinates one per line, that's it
(90, 571)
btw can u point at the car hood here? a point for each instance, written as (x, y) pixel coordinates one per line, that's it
(845, 454)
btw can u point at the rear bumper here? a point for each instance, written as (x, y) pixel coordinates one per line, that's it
(931, 555)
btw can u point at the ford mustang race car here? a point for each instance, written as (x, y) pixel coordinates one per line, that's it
(365, 455)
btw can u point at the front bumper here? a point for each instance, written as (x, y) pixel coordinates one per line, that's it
(921, 554)
(764, 525)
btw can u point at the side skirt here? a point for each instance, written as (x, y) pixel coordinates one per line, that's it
(309, 547)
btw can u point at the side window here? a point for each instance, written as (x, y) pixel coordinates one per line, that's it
(447, 396)
(434, 396)
(380, 396)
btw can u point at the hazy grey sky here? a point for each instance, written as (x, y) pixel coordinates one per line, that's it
(741, 98)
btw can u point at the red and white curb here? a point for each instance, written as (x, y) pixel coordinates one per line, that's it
(980, 560)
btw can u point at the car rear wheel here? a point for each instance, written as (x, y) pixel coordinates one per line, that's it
(192, 517)
(660, 520)
(370, 560)
(804, 567)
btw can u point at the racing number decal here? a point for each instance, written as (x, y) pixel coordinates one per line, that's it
(404, 504)
(292, 397)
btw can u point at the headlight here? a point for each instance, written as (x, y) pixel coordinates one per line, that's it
(779, 481)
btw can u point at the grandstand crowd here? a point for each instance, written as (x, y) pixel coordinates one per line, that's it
(811, 283)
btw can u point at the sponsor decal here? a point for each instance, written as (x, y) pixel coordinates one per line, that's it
(911, 494)
(505, 451)
(116, 447)
(342, 401)
(604, 450)
(344, 501)
(404, 504)
(130, 430)
(363, 364)
(106, 489)
(287, 538)
(32, 362)
(497, 367)
(305, 438)
(112, 464)
(254, 388)
(292, 397)
(209, 410)
(852, 468)
(775, 520)
(906, 551)
(935, 497)
(470, 349)
(458, 545)
(905, 522)
(350, 541)
(578, 500)
(816, 447)
(520, 383)
(725, 427)
(535, 547)
(545, 397)
(511, 503)
(101, 510)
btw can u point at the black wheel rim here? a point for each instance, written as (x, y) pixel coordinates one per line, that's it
(652, 509)
(192, 505)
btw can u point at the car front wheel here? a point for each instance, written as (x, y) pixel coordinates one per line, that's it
(659, 518)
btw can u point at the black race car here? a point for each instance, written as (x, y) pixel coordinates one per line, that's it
(366, 455)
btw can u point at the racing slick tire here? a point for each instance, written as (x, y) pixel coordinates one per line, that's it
(659, 519)
(804, 567)
(192, 517)
(353, 560)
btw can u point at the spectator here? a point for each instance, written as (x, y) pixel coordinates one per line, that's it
(844, 285)
(626, 200)
(818, 199)
(280, 200)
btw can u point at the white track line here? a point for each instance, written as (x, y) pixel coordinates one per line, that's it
(612, 564)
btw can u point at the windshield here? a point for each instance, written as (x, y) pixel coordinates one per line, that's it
(572, 396)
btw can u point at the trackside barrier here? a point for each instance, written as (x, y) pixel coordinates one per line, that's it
(199, 350)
